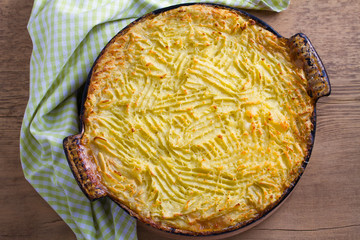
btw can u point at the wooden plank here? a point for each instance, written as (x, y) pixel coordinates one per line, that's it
(14, 95)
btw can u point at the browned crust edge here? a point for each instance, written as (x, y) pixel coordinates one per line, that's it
(84, 169)
(88, 89)
(235, 227)
(305, 55)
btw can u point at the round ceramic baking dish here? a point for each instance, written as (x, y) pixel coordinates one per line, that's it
(318, 86)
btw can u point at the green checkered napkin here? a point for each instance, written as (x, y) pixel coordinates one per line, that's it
(67, 36)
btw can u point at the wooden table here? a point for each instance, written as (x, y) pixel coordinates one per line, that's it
(326, 202)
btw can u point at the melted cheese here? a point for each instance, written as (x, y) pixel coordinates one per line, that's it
(197, 118)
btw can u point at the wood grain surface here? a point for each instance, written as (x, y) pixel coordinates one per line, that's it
(324, 205)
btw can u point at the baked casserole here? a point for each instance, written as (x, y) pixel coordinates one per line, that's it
(197, 120)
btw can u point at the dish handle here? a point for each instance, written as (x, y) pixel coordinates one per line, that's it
(83, 168)
(306, 57)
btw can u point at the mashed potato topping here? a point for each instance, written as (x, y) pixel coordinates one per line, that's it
(197, 119)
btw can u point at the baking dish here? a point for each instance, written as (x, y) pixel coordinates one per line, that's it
(318, 85)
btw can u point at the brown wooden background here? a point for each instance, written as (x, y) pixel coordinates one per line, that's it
(326, 202)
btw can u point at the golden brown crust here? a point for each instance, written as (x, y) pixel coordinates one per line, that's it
(99, 156)
(83, 168)
(304, 54)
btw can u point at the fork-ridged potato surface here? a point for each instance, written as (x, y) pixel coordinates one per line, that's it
(197, 119)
